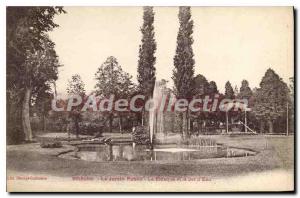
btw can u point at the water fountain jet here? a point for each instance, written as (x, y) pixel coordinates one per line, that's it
(156, 113)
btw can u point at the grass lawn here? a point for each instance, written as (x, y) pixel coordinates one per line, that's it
(275, 152)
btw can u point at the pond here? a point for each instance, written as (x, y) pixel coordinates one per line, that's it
(128, 152)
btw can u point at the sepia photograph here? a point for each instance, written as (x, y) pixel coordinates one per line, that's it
(150, 99)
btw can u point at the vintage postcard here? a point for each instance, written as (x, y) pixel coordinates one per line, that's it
(150, 99)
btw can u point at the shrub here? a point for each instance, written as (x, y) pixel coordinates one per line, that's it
(140, 135)
(55, 144)
(87, 128)
(15, 134)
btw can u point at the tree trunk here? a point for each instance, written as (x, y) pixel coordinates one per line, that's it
(155, 123)
(162, 125)
(77, 125)
(25, 115)
(184, 126)
(110, 122)
(44, 117)
(191, 125)
(262, 127)
(110, 152)
(188, 131)
(143, 116)
(44, 123)
(173, 122)
(181, 124)
(199, 128)
(270, 126)
(120, 124)
(227, 127)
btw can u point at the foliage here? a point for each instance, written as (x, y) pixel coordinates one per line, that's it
(271, 98)
(57, 121)
(200, 85)
(31, 59)
(15, 134)
(27, 39)
(146, 69)
(245, 91)
(183, 60)
(76, 86)
(90, 128)
(229, 93)
(140, 135)
(111, 79)
(42, 101)
(292, 106)
(212, 88)
(210, 119)
(183, 73)
(55, 144)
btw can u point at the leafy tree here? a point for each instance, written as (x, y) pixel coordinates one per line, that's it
(146, 69)
(212, 88)
(292, 87)
(112, 80)
(76, 87)
(292, 106)
(30, 59)
(245, 91)
(200, 90)
(42, 103)
(201, 85)
(215, 116)
(229, 93)
(40, 69)
(271, 99)
(183, 72)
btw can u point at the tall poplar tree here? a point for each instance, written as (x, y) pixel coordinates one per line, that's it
(146, 69)
(183, 73)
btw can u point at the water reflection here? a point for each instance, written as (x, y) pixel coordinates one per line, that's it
(142, 153)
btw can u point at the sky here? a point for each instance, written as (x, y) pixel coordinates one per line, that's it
(230, 43)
